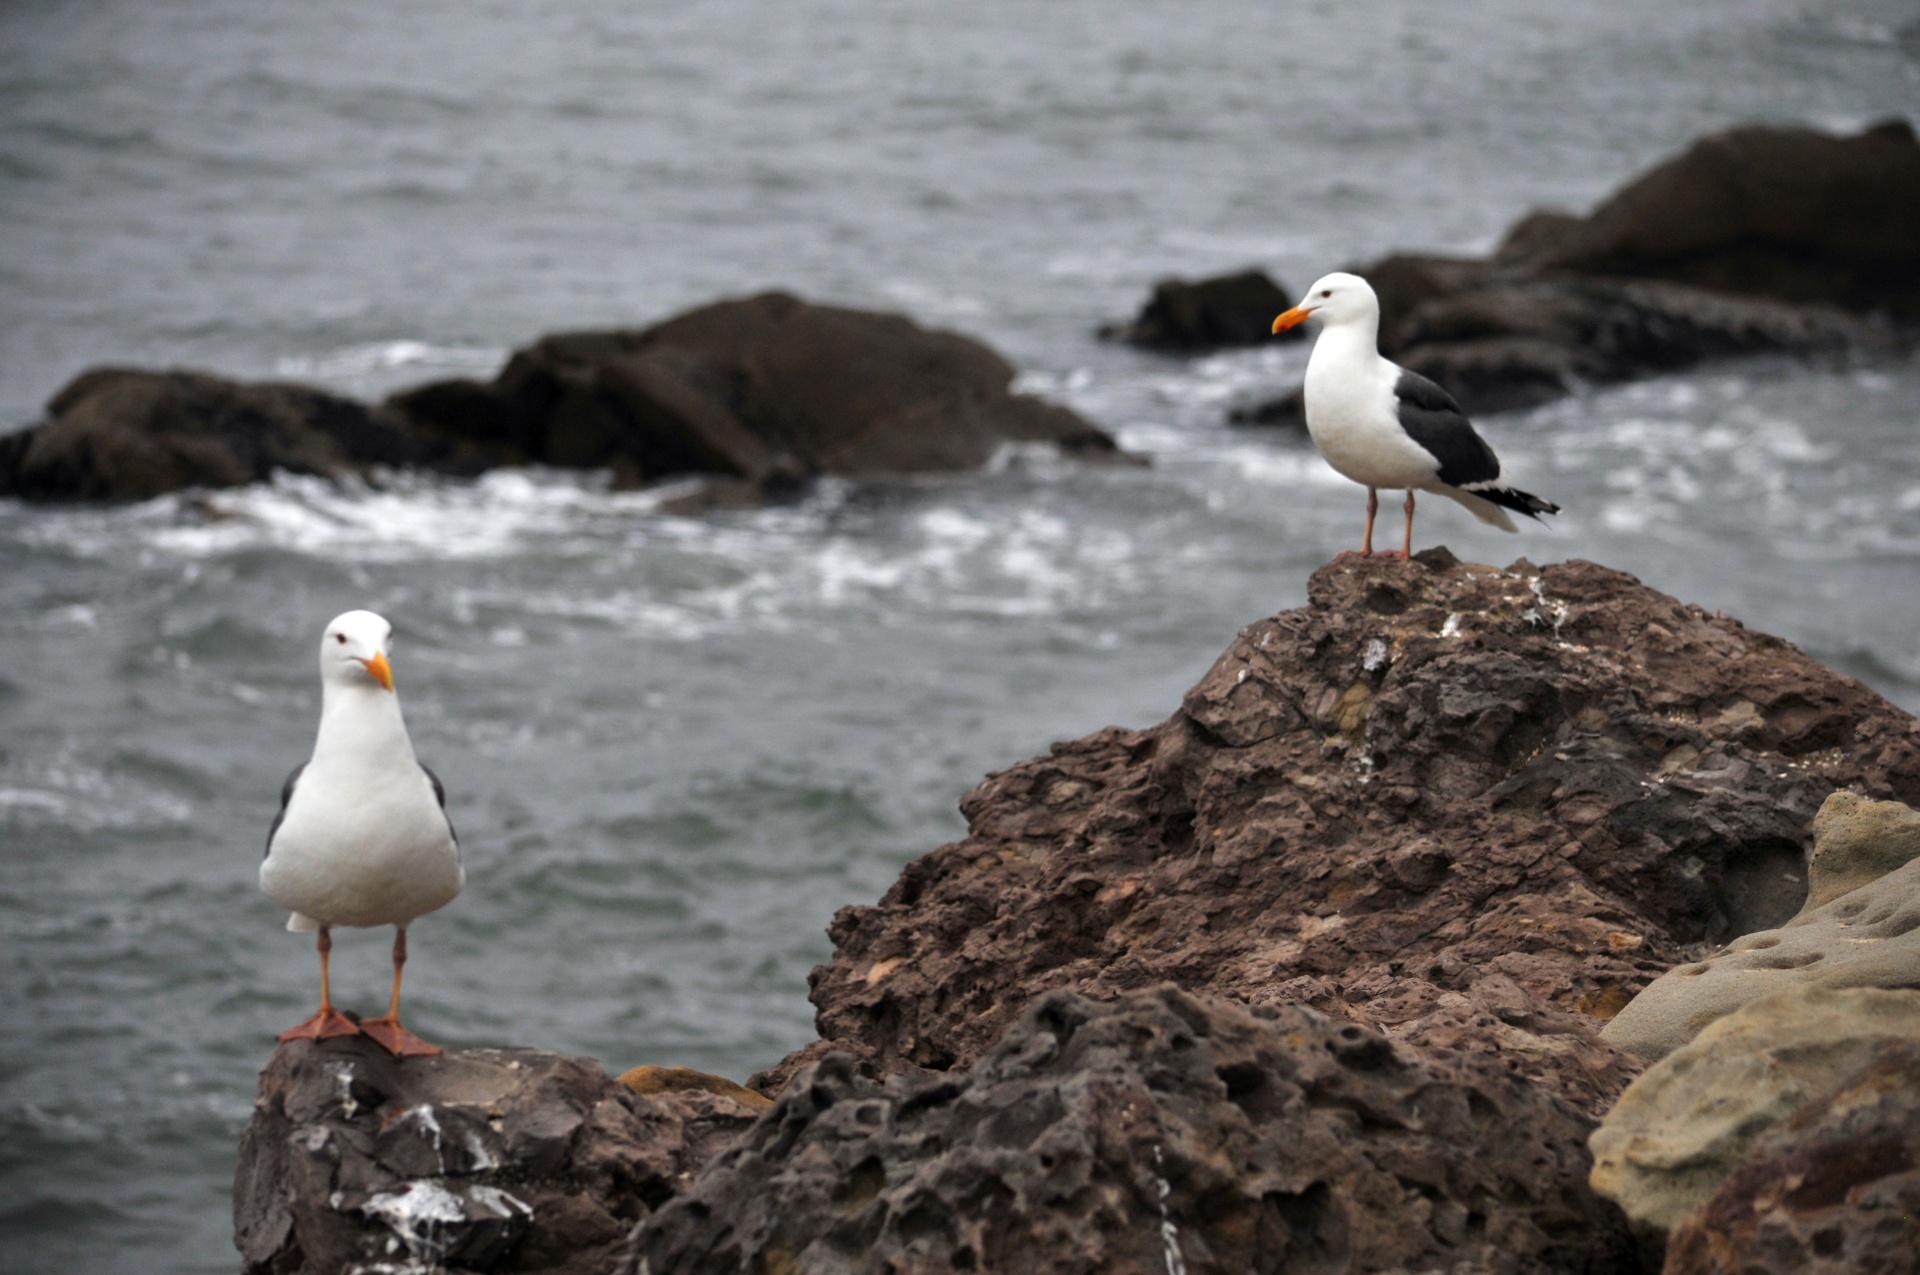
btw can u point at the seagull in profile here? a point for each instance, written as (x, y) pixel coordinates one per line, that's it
(362, 837)
(1383, 426)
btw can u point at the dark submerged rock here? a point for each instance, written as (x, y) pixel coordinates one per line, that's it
(1478, 809)
(1789, 213)
(769, 389)
(127, 434)
(758, 395)
(510, 1160)
(1155, 1133)
(1207, 314)
(1756, 241)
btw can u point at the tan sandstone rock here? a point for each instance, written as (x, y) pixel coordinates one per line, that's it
(1689, 1121)
(1868, 937)
(1856, 840)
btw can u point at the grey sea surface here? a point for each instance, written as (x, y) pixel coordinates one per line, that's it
(674, 746)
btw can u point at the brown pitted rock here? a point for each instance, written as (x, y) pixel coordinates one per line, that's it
(1781, 212)
(1834, 1192)
(767, 389)
(1208, 314)
(509, 1160)
(126, 434)
(1159, 1133)
(1470, 806)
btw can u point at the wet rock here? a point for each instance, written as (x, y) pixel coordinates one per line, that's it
(768, 390)
(1789, 213)
(1683, 1126)
(477, 1160)
(1161, 1132)
(125, 434)
(1868, 937)
(1857, 840)
(1468, 806)
(1208, 314)
(1836, 1189)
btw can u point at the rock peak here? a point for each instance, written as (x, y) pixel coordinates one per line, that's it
(1476, 807)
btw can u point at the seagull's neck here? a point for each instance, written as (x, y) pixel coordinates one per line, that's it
(360, 724)
(1357, 338)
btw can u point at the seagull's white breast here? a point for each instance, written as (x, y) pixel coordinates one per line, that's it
(363, 840)
(1354, 418)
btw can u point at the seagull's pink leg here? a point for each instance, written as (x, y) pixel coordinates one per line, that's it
(329, 1021)
(1373, 507)
(386, 1029)
(1406, 549)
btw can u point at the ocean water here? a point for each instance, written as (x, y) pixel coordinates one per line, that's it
(675, 746)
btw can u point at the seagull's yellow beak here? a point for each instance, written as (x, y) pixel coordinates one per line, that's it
(1291, 317)
(381, 670)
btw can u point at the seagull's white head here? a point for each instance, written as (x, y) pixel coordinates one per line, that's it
(354, 651)
(1334, 299)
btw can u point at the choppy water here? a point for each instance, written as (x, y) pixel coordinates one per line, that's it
(675, 746)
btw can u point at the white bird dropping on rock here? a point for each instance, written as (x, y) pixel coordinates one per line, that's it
(362, 837)
(1383, 426)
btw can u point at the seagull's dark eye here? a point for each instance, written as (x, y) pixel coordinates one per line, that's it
(341, 638)
(1326, 292)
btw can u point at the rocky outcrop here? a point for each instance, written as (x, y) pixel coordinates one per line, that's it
(1476, 808)
(1207, 314)
(507, 1160)
(1789, 213)
(1160, 1132)
(1868, 937)
(1682, 1127)
(1758, 240)
(767, 390)
(757, 395)
(127, 434)
(1834, 1190)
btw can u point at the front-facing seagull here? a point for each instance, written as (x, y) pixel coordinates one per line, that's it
(362, 837)
(1383, 426)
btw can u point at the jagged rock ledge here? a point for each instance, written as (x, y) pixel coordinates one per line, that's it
(507, 1160)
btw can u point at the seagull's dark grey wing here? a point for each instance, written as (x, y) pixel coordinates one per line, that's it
(286, 795)
(440, 795)
(1433, 420)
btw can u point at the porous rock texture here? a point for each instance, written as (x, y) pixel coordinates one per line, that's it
(1476, 808)
(127, 434)
(1868, 937)
(1834, 1191)
(508, 1160)
(1161, 1132)
(1208, 314)
(763, 390)
(1684, 1125)
(1757, 240)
